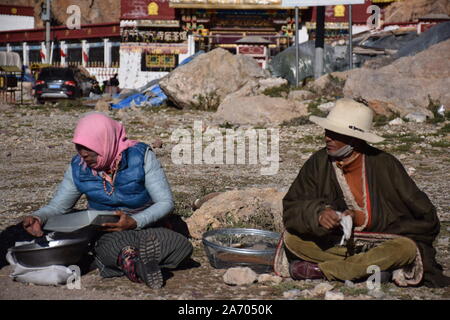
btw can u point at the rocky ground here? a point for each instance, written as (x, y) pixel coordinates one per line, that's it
(36, 148)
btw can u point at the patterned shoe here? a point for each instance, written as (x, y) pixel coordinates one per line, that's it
(148, 266)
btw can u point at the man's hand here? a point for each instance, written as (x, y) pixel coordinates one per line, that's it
(329, 219)
(125, 223)
(349, 213)
(32, 225)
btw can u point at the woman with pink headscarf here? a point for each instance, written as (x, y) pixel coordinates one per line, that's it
(121, 175)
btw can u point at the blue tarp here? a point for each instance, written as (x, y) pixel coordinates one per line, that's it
(152, 98)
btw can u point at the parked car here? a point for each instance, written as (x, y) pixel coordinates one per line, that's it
(56, 83)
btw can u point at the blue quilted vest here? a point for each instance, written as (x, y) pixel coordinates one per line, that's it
(129, 192)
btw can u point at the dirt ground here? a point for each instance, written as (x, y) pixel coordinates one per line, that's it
(36, 148)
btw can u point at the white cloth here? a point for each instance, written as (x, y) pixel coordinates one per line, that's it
(46, 276)
(347, 226)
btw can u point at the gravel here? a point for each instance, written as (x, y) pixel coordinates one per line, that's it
(36, 149)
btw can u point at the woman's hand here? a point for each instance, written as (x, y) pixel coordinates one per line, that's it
(32, 225)
(125, 223)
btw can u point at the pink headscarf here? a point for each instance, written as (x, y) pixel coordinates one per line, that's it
(103, 135)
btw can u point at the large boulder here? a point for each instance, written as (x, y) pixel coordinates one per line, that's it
(300, 95)
(256, 87)
(406, 85)
(217, 72)
(259, 109)
(261, 208)
(91, 11)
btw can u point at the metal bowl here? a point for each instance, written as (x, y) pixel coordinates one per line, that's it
(235, 247)
(47, 253)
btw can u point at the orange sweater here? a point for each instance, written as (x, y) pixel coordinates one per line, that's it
(352, 170)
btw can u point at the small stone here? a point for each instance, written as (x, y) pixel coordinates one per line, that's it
(300, 95)
(402, 156)
(269, 278)
(418, 151)
(411, 171)
(396, 121)
(305, 156)
(349, 284)
(378, 294)
(291, 294)
(102, 105)
(416, 117)
(239, 276)
(326, 107)
(157, 144)
(307, 293)
(322, 288)
(333, 295)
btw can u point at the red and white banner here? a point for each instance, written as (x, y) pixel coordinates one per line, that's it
(85, 56)
(85, 52)
(43, 55)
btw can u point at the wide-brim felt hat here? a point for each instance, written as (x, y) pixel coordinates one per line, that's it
(349, 118)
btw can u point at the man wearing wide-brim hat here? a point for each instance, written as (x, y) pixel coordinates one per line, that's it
(353, 210)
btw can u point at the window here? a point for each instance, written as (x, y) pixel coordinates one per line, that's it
(158, 62)
(34, 56)
(115, 56)
(74, 55)
(96, 56)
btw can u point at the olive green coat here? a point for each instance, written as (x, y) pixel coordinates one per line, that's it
(398, 206)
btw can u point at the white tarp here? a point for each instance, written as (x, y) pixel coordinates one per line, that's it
(10, 59)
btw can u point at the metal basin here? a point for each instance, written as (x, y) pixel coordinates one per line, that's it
(75, 221)
(105, 218)
(235, 247)
(47, 253)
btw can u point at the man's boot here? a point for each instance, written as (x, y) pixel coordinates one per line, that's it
(302, 270)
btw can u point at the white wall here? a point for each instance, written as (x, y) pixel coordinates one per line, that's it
(130, 74)
(303, 35)
(191, 49)
(9, 22)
